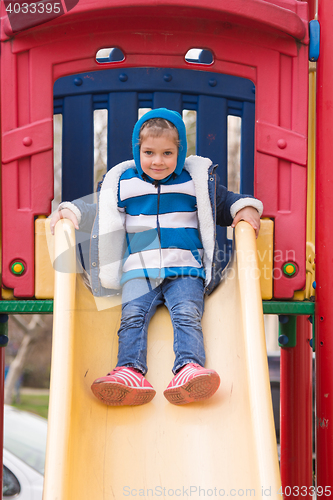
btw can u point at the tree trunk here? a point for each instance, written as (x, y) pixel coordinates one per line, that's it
(32, 330)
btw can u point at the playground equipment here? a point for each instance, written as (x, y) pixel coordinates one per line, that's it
(257, 69)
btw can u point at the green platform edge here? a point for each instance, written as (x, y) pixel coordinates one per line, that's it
(46, 307)
(26, 306)
(292, 307)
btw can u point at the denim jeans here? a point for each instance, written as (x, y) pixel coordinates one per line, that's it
(184, 298)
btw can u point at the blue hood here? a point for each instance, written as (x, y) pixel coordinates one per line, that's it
(174, 118)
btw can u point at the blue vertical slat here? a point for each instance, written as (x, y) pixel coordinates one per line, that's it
(212, 132)
(77, 147)
(212, 123)
(247, 149)
(169, 100)
(123, 114)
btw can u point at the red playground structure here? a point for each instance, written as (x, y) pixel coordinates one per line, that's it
(267, 62)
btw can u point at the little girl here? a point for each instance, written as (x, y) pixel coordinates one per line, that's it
(154, 236)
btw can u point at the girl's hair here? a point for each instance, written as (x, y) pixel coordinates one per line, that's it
(155, 127)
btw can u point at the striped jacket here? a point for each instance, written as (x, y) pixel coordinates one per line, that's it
(211, 203)
(162, 236)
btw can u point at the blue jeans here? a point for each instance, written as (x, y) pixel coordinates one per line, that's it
(184, 298)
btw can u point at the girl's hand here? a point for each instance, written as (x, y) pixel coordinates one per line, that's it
(250, 215)
(63, 214)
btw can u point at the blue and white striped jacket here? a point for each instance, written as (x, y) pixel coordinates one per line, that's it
(162, 236)
(210, 202)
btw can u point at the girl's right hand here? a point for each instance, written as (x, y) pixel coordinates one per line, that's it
(63, 214)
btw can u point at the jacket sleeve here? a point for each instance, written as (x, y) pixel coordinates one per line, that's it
(229, 203)
(85, 213)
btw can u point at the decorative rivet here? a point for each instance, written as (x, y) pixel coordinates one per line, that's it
(289, 269)
(78, 81)
(94, 264)
(94, 236)
(283, 339)
(167, 77)
(281, 144)
(212, 82)
(17, 268)
(123, 77)
(283, 319)
(211, 178)
(27, 141)
(3, 340)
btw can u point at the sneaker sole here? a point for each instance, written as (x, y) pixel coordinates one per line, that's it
(113, 394)
(198, 389)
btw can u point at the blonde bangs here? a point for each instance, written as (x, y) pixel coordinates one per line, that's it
(156, 127)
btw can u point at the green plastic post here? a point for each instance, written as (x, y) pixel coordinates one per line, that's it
(287, 331)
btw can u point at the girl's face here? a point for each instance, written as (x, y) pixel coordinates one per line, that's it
(158, 156)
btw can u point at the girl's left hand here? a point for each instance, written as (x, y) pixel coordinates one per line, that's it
(250, 215)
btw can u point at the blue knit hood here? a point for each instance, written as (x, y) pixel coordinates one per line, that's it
(171, 116)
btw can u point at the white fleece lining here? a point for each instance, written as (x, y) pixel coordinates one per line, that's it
(197, 167)
(73, 208)
(112, 231)
(246, 202)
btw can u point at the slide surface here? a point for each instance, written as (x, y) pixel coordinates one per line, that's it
(222, 447)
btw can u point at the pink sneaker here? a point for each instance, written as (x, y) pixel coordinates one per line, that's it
(192, 383)
(124, 386)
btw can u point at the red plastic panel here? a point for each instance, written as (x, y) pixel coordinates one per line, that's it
(252, 39)
(282, 143)
(282, 15)
(281, 172)
(27, 171)
(26, 141)
(324, 246)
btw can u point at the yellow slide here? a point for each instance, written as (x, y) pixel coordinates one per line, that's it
(222, 447)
